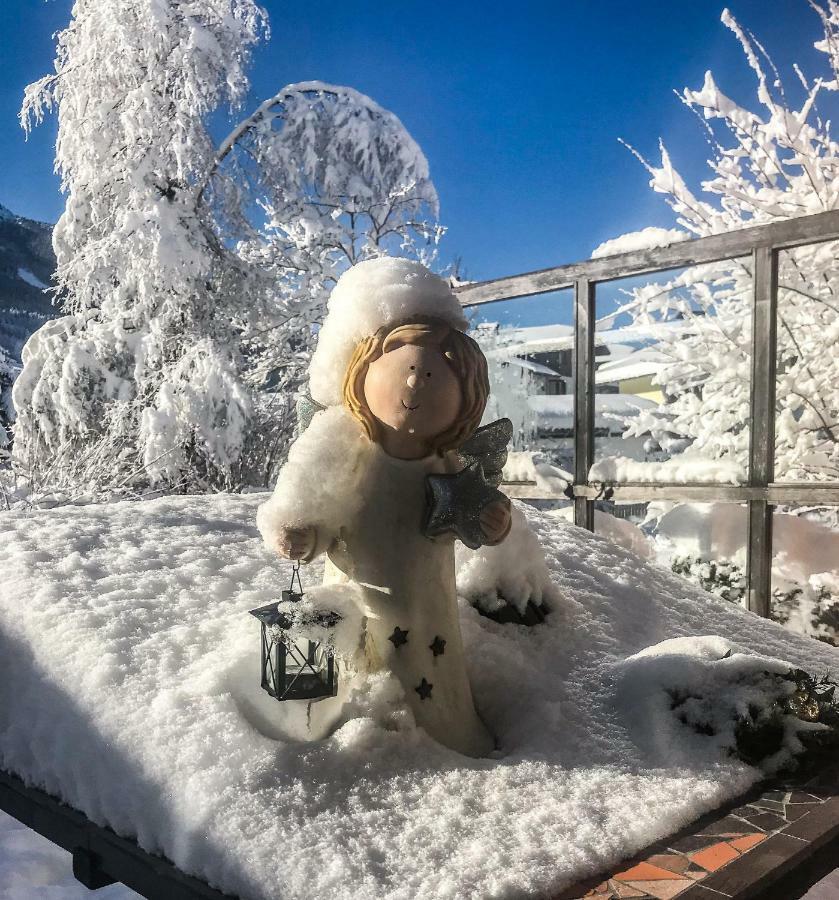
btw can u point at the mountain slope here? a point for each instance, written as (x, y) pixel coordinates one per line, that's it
(27, 263)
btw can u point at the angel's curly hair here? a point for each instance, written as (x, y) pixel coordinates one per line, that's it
(461, 352)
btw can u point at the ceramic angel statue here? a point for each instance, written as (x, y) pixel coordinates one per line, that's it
(388, 473)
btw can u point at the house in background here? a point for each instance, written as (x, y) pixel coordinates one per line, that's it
(538, 359)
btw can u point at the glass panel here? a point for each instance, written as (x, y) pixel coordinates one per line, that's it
(623, 523)
(807, 389)
(528, 343)
(805, 570)
(705, 543)
(672, 371)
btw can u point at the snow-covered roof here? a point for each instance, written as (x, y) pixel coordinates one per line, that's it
(536, 368)
(557, 410)
(646, 361)
(549, 338)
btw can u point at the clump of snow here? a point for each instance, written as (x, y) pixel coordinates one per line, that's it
(30, 278)
(129, 688)
(373, 293)
(645, 239)
(685, 468)
(513, 572)
(802, 548)
(530, 466)
(329, 614)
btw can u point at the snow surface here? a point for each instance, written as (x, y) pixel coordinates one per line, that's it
(623, 532)
(129, 688)
(646, 361)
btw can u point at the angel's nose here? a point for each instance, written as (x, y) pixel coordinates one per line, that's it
(413, 381)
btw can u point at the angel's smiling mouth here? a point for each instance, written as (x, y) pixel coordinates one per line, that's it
(409, 407)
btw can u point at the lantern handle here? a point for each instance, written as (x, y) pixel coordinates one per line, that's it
(295, 576)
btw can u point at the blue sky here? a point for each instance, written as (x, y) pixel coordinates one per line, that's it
(518, 112)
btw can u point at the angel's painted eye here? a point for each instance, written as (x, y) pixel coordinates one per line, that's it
(412, 368)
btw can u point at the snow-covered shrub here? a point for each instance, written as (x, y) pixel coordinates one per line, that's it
(810, 607)
(690, 691)
(764, 717)
(768, 165)
(721, 577)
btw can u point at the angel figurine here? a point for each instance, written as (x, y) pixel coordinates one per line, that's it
(390, 471)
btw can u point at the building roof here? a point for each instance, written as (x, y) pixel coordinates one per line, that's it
(646, 361)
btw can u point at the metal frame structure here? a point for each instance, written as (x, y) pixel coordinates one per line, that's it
(761, 493)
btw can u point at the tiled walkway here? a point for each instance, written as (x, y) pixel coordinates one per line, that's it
(740, 849)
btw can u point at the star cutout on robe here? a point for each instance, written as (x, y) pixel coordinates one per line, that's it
(455, 503)
(437, 646)
(424, 690)
(399, 637)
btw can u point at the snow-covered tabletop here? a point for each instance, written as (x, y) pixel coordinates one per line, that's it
(129, 688)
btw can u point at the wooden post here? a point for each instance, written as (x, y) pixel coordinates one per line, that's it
(583, 366)
(762, 430)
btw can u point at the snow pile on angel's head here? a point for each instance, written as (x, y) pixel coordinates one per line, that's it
(373, 293)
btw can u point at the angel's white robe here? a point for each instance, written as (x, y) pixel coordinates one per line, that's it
(368, 509)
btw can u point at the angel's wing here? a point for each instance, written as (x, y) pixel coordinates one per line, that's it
(306, 409)
(488, 446)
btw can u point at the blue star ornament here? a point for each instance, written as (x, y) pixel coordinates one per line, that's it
(455, 503)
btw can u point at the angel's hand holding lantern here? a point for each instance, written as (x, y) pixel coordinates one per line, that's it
(296, 543)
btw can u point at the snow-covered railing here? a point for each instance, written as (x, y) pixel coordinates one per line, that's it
(100, 856)
(761, 492)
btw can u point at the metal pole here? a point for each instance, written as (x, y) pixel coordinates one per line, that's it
(583, 367)
(762, 430)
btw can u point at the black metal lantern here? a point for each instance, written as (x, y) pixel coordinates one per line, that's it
(295, 669)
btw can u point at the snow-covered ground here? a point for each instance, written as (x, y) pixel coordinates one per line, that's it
(129, 688)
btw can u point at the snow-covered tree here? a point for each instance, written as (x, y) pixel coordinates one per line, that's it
(338, 179)
(142, 374)
(767, 165)
(180, 299)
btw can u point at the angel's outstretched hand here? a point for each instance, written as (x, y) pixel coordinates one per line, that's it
(495, 520)
(296, 543)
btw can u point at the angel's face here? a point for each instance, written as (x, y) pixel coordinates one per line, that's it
(414, 394)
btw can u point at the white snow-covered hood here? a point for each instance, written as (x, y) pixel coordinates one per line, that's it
(372, 294)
